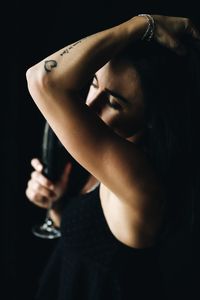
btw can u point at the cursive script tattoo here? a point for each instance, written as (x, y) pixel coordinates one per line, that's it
(67, 50)
(49, 65)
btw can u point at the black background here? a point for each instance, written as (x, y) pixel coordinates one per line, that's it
(30, 32)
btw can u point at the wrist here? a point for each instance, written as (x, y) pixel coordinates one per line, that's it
(148, 35)
(137, 26)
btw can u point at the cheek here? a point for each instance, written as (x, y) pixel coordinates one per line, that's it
(117, 122)
(108, 116)
(127, 125)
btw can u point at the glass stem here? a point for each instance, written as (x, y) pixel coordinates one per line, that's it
(48, 218)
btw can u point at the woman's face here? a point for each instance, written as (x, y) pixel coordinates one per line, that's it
(116, 96)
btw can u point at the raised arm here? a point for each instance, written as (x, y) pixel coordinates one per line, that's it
(55, 84)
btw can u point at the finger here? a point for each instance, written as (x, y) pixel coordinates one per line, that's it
(41, 190)
(169, 41)
(41, 179)
(36, 164)
(37, 199)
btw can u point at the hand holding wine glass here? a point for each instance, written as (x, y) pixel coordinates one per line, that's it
(48, 183)
(43, 192)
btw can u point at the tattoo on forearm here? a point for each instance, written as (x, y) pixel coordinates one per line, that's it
(49, 65)
(67, 50)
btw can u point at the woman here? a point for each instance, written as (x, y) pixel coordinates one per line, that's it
(110, 235)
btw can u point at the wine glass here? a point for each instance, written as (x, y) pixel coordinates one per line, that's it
(48, 230)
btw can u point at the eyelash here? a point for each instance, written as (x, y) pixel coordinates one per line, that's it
(94, 85)
(115, 106)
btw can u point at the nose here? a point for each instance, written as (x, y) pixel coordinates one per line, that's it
(96, 101)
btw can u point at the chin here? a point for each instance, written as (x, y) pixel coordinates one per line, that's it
(137, 137)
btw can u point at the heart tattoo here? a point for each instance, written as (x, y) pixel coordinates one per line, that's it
(49, 65)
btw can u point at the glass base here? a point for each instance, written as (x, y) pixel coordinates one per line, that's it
(46, 231)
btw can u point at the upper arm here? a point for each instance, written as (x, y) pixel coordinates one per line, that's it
(114, 161)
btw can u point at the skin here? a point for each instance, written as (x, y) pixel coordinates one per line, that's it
(43, 192)
(115, 95)
(130, 193)
(125, 116)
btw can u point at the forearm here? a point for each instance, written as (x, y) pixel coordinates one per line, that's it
(86, 137)
(71, 67)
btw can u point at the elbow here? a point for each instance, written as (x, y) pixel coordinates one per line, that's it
(31, 81)
(34, 76)
(29, 74)
(36, 81)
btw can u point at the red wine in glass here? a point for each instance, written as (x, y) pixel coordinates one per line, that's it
(47, 230)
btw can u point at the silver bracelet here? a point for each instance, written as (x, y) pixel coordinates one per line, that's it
(148, 35)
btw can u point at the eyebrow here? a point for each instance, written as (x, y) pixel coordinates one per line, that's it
(114, 94)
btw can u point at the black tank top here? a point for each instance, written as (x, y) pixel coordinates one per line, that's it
(90, 263)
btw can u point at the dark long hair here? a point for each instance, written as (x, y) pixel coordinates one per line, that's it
(171, 85)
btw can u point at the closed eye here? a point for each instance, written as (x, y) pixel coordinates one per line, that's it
(114, 103)
(94, 85)
(95, 82)
(112, 98)
(112, 93)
